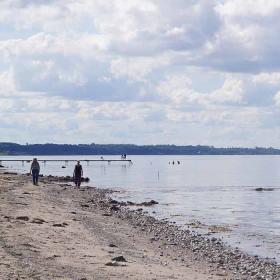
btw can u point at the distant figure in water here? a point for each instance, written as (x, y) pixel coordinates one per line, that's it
(178, 162)
(78, 173)
(34, 171)
(173, 162)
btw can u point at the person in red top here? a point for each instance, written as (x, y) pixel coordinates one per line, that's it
(78, 173)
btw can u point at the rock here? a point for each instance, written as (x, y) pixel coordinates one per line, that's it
(114, 263)
(264, 189)
(2, 166)
(148, 203)
(119, 259)
(145, 203)
(60, 225)
(22, 218)
(53, 257)
(85, 179)
(66, 178)
(38, 221)
(10, 173)
(112, 201)
(130, 203)
(115, 208)
(85, 205)
(112, 245)
(63, 166)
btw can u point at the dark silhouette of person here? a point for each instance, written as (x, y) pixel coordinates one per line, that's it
(35, 170)
(78, 173)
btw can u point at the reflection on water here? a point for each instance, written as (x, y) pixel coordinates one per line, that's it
(215, 190)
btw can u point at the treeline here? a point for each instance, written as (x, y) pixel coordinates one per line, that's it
(118, 149)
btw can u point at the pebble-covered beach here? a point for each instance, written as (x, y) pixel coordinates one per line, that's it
(58, 226)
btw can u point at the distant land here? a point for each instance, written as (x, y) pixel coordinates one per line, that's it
(7, 148)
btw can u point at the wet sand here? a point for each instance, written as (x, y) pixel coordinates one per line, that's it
(57, 231)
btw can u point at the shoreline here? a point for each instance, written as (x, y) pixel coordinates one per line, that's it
(185, 253)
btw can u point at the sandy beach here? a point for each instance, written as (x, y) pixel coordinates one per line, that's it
(57, 231)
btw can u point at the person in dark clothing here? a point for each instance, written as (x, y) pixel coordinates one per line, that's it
(35, 170)
(78, 173)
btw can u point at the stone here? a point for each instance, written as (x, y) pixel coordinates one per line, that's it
(38, 221)
(119, 259)
(85, 205)
(115, 208)
(60, 225)
(114, 263)
(10, 173)
(22, 218)
(112, 201)
(148, 203)
(106, 214)
(264, 189)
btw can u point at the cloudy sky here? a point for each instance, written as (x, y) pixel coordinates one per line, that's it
(140, 71)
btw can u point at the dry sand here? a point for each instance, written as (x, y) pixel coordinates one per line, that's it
(50, 232)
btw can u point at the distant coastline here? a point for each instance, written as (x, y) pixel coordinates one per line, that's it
(7, 148)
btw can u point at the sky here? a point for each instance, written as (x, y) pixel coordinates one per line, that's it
(182, 72)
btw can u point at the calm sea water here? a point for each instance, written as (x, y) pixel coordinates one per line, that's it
(214, 190)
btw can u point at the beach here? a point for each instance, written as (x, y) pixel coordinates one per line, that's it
(58, 231)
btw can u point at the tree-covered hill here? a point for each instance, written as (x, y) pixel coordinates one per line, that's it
(118, 149)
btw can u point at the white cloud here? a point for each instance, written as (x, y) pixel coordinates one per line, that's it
(247, 8)
(138, 68)
(268, 78)
(179, 89)
(139, 71)
(247, 40)
(277, 98)
(231, 92)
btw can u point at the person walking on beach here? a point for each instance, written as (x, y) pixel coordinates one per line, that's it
(34, 171)
(78, 173)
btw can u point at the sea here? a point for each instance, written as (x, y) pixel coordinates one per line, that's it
(215, 196)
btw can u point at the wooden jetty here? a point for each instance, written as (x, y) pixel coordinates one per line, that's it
(66, 160)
